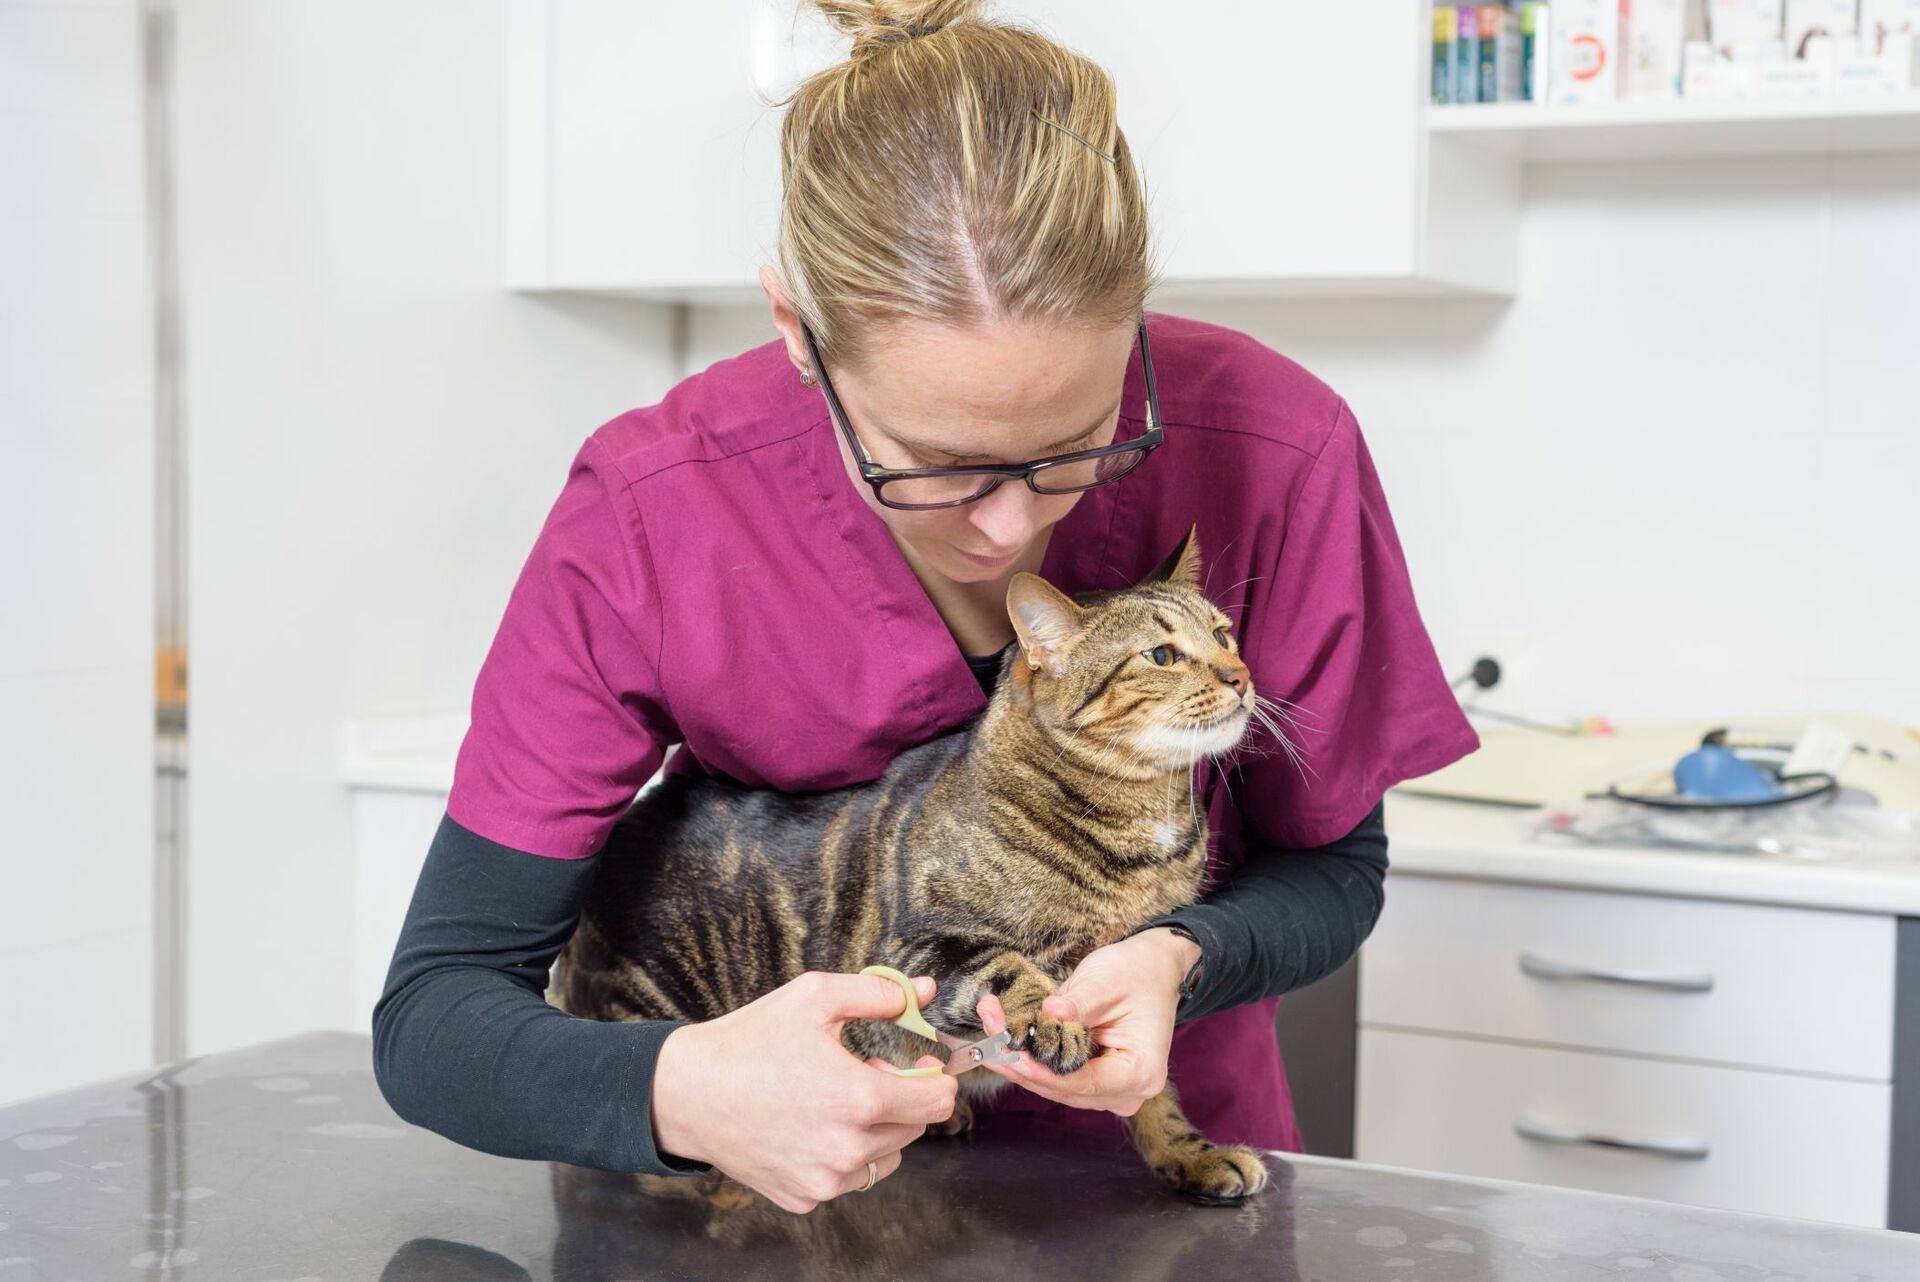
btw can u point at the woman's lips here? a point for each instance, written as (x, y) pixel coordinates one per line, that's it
(989, 562)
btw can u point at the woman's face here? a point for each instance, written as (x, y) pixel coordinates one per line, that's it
(930, 395)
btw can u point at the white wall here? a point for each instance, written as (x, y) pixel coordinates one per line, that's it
(76, 523)
(1676, 475)
(378, 430)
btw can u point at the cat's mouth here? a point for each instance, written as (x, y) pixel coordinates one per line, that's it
(1232, 723)
(1238, 712)
(1189, 743)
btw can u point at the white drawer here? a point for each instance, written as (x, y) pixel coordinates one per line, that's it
(1775, 1143)
(1783, 988)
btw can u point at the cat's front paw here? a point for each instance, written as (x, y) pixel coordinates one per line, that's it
(1061, 1045)
(1214, 1174)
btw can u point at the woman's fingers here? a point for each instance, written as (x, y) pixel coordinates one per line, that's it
(911, 1100)
(857, 1181)
(1108, 1082)
(885, 1140)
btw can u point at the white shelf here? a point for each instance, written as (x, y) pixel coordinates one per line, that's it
(1676, 128)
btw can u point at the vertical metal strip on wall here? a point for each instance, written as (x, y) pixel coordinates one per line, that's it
(158, 26)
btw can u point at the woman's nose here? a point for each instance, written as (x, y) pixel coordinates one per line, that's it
(1005, 516)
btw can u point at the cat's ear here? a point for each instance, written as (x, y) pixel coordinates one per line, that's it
(1046, 620)
(1182, 565)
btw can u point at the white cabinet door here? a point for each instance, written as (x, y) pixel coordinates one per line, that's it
(1782, 988)
(1277, 140)
(1281, 141)
(1771, 1143)
(642, 140)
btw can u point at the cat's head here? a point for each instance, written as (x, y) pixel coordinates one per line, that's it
(1151, 673)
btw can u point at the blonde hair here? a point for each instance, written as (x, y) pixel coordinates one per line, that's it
(955, 170)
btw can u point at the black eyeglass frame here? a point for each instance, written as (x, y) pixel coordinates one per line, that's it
(877, 477)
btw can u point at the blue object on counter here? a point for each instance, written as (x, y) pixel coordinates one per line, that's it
(1715, 773)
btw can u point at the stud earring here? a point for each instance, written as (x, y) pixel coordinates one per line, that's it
(808, 380)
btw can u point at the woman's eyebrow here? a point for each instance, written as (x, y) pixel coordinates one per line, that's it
(931, 447)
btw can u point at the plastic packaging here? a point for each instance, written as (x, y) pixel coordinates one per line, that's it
(1841, 826)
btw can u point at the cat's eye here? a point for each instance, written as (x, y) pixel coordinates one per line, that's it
(1161, 655)
(1220, 635)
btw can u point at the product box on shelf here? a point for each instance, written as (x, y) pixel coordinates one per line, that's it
(1536, 45)
(1466, 54)
(1499, 33)
(1810, 19)
(1588, 41)
(1882, 18)
(1446, 33)
(1656, 40)
(1738, 24)
(1810, 76)
(1887, 65)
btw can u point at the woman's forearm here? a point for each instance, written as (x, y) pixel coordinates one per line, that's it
(1285, 918)
(464, 1043)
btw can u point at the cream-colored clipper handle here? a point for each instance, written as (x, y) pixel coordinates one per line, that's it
(910, 1018)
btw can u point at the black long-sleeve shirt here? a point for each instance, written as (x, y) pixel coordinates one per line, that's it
(465, 1044)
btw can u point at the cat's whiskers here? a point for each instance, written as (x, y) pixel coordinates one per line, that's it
(1214, 562)
(1296, 710)
(1257, 578)
(1264, 712)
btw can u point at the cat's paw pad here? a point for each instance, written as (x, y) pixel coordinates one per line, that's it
(1061, 1045)
(1215, 1174)
(959, 1123)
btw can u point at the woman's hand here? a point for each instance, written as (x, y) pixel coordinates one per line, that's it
(1126, 994)
(768, 1094)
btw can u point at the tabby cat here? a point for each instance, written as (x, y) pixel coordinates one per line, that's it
(993, 858)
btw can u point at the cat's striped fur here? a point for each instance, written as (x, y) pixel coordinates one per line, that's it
(993, 858)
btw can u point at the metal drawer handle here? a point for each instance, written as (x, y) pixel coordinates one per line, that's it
(1688, 1150)
(1546, 968)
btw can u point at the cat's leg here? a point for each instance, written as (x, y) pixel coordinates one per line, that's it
(959, 1122)
(975, 1084)
(1196, 1167)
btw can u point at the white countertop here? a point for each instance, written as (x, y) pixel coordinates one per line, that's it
(1431, 838)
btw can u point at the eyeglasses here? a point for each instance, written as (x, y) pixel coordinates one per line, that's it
(918, 489)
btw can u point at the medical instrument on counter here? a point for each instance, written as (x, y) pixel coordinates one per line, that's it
(961, 1055)
(1725, 773)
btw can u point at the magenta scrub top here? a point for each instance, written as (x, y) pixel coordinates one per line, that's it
(709, 576)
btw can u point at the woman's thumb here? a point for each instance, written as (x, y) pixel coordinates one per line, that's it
(1090, 1003)
(1060, 1006)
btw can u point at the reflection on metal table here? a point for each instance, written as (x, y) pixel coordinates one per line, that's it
(282, 1162)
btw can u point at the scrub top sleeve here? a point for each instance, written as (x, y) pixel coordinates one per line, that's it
(569, 718)
(1339, 635)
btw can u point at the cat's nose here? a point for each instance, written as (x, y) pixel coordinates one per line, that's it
(1232, 674)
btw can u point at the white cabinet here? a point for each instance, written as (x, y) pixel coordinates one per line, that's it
(1773, 1143)
(1778, 988)
(1283, 144)
(1729, 1055)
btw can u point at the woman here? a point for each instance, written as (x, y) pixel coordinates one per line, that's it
(963, 272)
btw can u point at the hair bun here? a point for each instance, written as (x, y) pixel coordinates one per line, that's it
(879, 24)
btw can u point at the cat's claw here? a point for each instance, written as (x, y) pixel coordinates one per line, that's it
(1062, 1045)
